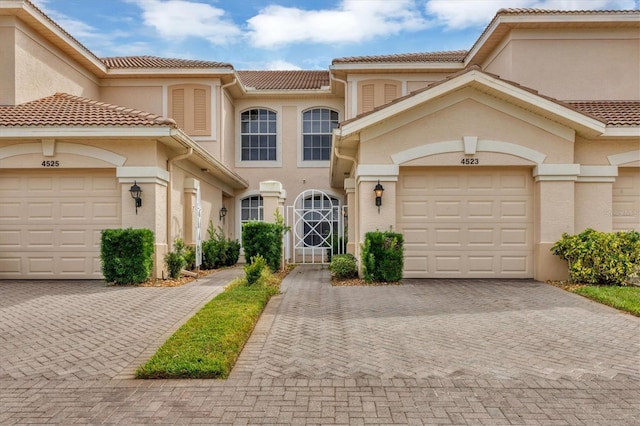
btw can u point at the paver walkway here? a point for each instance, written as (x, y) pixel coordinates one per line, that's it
(426, 352)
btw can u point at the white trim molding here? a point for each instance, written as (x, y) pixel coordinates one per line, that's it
(426, 150)
(375, 172)
(143, 175)
(598, 173)
(624, 158)
(47, 148)
(556, 172)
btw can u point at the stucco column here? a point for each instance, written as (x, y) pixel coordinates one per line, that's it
(191, 187)
(350, 189)
(153, 212)
(594, 198)
(273, 197)
(369, 216)
(555, 213)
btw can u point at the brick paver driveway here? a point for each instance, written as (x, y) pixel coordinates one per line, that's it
(426, 352)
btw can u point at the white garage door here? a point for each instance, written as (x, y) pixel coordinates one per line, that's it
(626, 200)
(466, 223)
(50, 222)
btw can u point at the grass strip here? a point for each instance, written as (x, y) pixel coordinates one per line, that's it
(624, 298)
(209, 343)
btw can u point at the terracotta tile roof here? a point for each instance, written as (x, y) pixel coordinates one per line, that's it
(285, 80)
(63, 109)
(449, 56)
(157, 62)
(616, 113)
(528, 11)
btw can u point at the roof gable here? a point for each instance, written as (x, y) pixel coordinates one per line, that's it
(493, 85)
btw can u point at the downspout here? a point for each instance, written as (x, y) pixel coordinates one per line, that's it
(220, 130)
(344, 157)
(346, 94)
(170, 170)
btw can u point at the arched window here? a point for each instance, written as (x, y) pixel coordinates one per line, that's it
(258, 135)
(317, 125)
(251, 209)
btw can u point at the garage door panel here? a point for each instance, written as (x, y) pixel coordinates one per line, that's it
(50, 225)
(481, 226)
(626, 200)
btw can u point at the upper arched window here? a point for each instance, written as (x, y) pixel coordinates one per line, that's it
(317, 127)
(258, 133)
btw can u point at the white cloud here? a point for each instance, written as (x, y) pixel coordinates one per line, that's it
(279, 65)
(352, 21)
(180, 19)
(459, 14)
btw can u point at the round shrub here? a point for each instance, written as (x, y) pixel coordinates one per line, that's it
(343, 266)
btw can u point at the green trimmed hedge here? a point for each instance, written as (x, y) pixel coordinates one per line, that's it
(218, 250)
(383, 256)
(126, 255)
(601, 258)
(265, 239)
(343, 266)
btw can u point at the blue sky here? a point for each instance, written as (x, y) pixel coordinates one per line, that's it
(285, 34)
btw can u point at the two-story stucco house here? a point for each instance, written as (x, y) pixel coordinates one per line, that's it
(486, 156)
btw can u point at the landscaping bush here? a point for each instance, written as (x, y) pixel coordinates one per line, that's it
(343, 266)
(189, 256)
(174, 260)
(383, 256)
(262, 238)
(600, 258)
(126, 255)
(219, 250)
(253, 270)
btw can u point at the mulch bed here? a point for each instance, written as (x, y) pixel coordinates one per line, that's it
(566, 285)
(170, 282)
(353, 282)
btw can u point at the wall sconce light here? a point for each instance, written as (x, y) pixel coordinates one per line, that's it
(223, 213)
(135, 191)
(379, 189)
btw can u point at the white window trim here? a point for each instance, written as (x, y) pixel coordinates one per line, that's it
(259, 164)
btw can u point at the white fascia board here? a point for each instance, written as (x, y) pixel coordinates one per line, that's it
(151, 72)
(251, 91)
(396, 66)
(57, 132)
(622, 132)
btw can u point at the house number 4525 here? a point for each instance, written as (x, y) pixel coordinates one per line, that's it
(50, 163)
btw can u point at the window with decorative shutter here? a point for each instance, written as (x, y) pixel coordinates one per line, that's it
(190, 106)
(375, 93)
(390, 92)
(368, 97)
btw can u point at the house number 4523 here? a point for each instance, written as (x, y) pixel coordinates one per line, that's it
(50, 163)
(470, 161)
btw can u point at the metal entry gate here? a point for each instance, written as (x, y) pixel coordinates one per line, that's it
(316, 228)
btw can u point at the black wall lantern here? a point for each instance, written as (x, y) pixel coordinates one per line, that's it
(379, 189)
(135, 191)
(223, 213)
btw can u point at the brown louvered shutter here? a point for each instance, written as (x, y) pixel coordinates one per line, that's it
(177, 106)
(200, 111)
(368, 97)
(390, 92)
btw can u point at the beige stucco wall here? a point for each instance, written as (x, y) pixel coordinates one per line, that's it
(7, 65)
(45, 70)
(143, 98)
(468, 117)
(568, 64)
(596, 151)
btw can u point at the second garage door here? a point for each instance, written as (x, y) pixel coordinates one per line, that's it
(466, 223)
(50, 222)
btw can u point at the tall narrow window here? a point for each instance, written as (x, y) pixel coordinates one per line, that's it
(258, 135)
(317, 125)
(251, 209)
